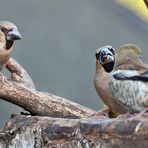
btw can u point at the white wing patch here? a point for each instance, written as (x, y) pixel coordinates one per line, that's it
(127, 73)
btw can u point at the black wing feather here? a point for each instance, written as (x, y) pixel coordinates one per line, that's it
(143, 77)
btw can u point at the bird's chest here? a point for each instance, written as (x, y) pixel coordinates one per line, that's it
(101, 85)
(2, 44)
(132, 94)
(4, 57)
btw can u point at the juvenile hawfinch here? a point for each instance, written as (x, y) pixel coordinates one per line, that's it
(105, 60)
(8, 34)
(129, 80)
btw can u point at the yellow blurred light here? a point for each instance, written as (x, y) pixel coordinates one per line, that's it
(137, 6)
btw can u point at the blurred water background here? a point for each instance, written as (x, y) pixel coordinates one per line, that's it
(59, 42)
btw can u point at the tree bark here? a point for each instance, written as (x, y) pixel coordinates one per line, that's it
(38, 103)
(37, 132)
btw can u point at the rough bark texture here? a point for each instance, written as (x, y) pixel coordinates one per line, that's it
(38, 103)
(30, 132)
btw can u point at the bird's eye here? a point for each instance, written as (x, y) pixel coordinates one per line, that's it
(103, 53)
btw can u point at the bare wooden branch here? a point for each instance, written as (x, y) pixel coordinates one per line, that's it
(19, 74)
(22, 131)
(19, 89)
(38, 103)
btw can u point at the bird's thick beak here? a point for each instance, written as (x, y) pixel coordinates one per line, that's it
(108, 59)
(14, 35)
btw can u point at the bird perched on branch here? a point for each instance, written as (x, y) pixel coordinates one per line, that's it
(105, 60)
(129, 81)
(8, 35)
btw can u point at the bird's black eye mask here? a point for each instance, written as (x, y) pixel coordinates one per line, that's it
(106, 58)
(5, 30)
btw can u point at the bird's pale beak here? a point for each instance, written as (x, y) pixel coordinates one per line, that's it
(13, 35)
(108, 59)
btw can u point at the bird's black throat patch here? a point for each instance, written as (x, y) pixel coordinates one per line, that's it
(108, 66)
(9, 44)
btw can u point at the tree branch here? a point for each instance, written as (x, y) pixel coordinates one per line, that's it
(19, 89)
(22, 131)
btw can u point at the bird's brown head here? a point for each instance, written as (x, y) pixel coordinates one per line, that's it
(10, 32)
(105, 56)
(128, 51)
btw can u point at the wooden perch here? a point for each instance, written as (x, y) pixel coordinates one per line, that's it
(19, 89)
(36, 131)
(22, 131)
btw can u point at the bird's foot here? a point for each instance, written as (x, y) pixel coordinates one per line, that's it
(127, 117)
(138, 115)
(133, 117)
(102, 112)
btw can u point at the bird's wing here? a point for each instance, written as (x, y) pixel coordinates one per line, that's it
(133, 75)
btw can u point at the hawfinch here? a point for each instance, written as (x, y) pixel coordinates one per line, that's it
(8, 35)
(129, 80)
(105, 60)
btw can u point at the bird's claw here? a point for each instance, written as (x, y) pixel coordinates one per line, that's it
(138, 115)
(102, 112)
(98, 113)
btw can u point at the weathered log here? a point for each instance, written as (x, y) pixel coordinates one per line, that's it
(30, 132)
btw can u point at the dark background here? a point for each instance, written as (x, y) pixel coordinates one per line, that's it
(59, 42)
